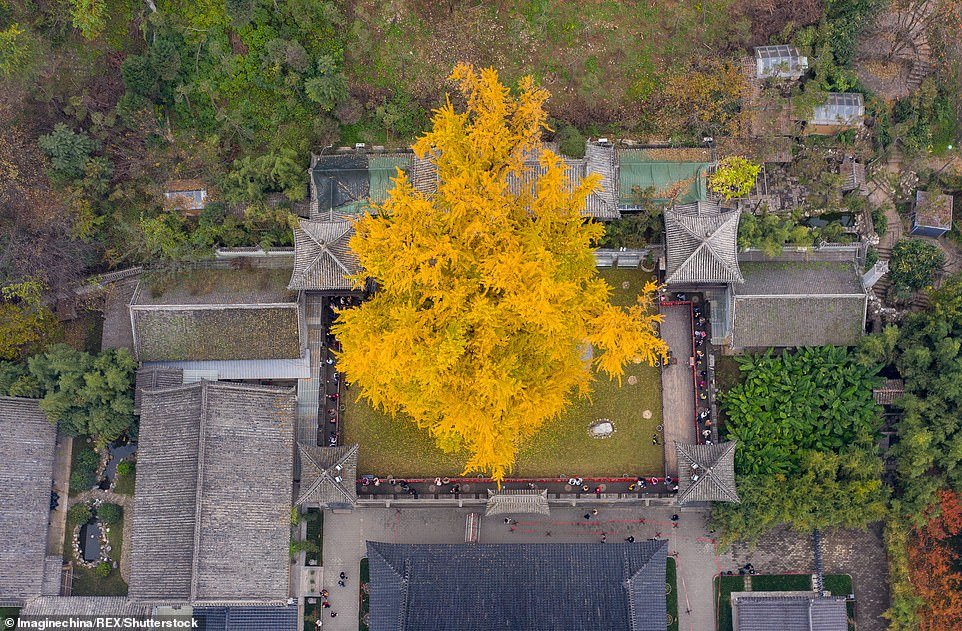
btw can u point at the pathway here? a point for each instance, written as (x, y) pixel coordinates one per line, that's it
(118, 332)
(61, 484)
(677, 383)
(345, 534)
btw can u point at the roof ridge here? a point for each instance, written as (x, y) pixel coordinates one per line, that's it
(199, 490)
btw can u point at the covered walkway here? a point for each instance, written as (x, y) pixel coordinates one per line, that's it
(678, 382)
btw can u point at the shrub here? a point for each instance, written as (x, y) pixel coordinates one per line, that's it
(914, 262)
(570, 141)
(110, 513)
(103, 569)
(83, 473)
(734, 177)
(68, 151)
(125, 469)
(80, 513)
(881, 221)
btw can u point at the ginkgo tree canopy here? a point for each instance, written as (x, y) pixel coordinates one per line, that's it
(486, 299)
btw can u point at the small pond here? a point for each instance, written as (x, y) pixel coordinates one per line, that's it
(90, 541)
(846, 219)
(117, 451)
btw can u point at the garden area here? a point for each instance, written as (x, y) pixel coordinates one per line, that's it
(563, 446)
(837, 584)
(8, 614)
(96, 577)
(806, 426)
(671, 587)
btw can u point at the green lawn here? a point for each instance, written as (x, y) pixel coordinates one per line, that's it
(562, 447)
(365, 595)
(782, 583)
(724, 586)
(315, 533)
(671, 578)
(7, 613)
(85, 580)
(125, 483)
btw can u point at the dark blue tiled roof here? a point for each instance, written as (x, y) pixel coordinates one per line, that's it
(247, 618)
(530, 587)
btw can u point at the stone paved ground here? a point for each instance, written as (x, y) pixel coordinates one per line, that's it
(858, 553)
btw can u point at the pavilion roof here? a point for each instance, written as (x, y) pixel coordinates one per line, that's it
(702, 244)
(323, 260)
(517, 502)
(328, 475)
(706, 473)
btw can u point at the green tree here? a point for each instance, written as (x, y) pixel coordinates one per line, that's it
(880, 349)
(87, 395)
(734, 177)
(83, 469)
(103, 569)
(570, 141)
(80, 513)
(327, 85)
(17, 50)
(90, 16)
(806, 425)
(26, 324)
(110, 514)
(250, 178)
(914, 262)
(138, 75)
(68, 151)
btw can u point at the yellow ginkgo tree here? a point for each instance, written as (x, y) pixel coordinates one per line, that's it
(486, 298)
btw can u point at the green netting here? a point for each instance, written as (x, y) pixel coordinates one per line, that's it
(380, 171)
(638, 171)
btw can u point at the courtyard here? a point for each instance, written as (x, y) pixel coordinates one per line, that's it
(562, 447)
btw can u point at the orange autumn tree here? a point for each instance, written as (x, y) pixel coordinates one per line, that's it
(486, 298)
(934, 563)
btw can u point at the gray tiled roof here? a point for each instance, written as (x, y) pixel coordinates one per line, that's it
(713, 479)
(27, 443)
(798, 303)
(598, 159)
(322, 482)
(212, 505)
(64, 606)
(247, 618)
(702, 244)
(322, 258)
(155, 377)
(891, 391)
(535, 587)
(517, 502)
(934, 211)
(788, 611)
(800, 321)
(799, 278)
